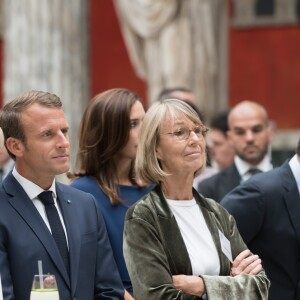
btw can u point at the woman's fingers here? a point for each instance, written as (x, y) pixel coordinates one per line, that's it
(239, 259)
(246, 263)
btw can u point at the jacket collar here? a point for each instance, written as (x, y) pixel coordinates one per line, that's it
(163, 208)
(291, 196)
(173, 236)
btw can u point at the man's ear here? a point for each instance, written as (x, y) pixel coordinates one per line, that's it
(15, 146)
(271, 129)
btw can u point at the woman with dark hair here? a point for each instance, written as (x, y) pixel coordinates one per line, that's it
(107, 148)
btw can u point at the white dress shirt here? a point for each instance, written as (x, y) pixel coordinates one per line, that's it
(243, 167)
(295, 167)
(33, 190)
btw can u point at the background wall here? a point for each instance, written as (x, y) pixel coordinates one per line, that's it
(264, 66)
(110, 66)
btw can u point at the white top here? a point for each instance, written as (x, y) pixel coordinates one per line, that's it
(33, 190)
(197, 237)
(295, 166)
(243, 167)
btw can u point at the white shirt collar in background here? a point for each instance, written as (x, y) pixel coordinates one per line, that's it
(7, 167)
(295, 167)
(243, 167)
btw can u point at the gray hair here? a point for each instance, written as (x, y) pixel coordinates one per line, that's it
(147, 164)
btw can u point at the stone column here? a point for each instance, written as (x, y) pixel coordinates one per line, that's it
(46, 48)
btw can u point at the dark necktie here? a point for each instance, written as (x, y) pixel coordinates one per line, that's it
(254, 171)
(57, 229)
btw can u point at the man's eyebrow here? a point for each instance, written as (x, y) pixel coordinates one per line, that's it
(258, 125)
(238, 128)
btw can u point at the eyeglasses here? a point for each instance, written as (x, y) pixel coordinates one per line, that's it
(183, 133)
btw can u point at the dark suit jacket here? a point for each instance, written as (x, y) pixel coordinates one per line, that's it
(25, 239)
(267, 211)
(154, 250)
(218, 185)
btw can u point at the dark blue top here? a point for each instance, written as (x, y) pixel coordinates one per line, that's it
(114, 217)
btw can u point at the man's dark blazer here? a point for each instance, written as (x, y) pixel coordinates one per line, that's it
(267, 211)
(218, 185)
(25, 239)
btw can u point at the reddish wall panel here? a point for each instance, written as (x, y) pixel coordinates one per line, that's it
(265, 66)
(110, 66)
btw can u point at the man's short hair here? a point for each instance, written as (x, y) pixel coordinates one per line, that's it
(10, 116)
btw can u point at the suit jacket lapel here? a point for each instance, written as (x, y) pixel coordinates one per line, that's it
(291, 196)
(26, 209)
(70, 215)
(176, 250)
(234, 176)
(228, 179)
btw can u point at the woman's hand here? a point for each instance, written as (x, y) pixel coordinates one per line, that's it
(193, 285)
(127, 296)
(246, 263)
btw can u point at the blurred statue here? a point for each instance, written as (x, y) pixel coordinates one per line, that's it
(178, 43)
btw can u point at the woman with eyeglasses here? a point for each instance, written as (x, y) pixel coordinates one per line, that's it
(108, 139)
(178, 244)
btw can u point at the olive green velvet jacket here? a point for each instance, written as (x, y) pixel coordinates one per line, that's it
(154, 250)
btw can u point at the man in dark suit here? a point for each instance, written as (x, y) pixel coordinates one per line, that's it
(267, 211)
(250, 134)
(63, 229)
